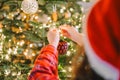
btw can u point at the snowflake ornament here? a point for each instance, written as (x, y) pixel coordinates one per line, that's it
(29, 6)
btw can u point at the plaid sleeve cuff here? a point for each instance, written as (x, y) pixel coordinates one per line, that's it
(49, 48)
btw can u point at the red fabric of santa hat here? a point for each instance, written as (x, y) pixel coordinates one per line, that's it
(102, 41)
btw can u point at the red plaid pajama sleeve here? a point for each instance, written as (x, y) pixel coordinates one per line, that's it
(45, 66)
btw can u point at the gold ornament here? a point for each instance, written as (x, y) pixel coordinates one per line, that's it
(54, 14)
(10, 16)
(25, 17)
(26, 25)
(14, 40)
(29, 6)
(6, 7)
(16, 30)
(22, 36)
(34, 17)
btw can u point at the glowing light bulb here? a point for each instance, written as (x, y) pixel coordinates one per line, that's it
(69, 69)
(61, 10)
(71, 9)
(68, 53)
(14, 73)
(64, 70)
(1, 30)
(9, 51)
(7, 57)
(31, 45)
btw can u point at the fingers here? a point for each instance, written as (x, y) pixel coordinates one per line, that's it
(65, 33)
(64, 27)
(65, 30)
(54, 30)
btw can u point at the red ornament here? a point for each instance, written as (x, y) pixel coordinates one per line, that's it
(62, 47)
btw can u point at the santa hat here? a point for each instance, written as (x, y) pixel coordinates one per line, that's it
(102, 41)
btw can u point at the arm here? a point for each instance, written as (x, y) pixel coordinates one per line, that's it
(45, 66)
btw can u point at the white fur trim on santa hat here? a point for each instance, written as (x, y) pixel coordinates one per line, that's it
(107, 71)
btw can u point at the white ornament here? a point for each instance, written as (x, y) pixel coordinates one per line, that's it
(29, 6)
(43, 18)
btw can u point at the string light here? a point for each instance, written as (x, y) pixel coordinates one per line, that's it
(61, 10)
(33, 54)
(76, 16)
(64, 70)
(80, 18)
(1, 30)
(22, 42)
(24, 17)
(19, 73)
(9, 51)
(40, 45)
(31, 45)
(64, 37)
(15, 50)
(50, 21)
(74, 50)
(44, 24)
(10, 16)
(40, 27)
(7, 57)
(70, 62)
(1, 46)
(49, 18)
(39, 10)
(69, 69)
(20, 29)
(84, 0)
(64, 8)
(36, 17)
(13, 73)
(26, 52)
(68, 53)
(71, 9)
(7, 72)
(68, 44)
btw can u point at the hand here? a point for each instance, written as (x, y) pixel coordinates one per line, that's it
(72, 33)
(53, 37)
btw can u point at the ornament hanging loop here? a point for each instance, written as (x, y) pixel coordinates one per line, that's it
(54, 8)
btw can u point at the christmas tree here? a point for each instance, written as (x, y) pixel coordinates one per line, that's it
(23, 28)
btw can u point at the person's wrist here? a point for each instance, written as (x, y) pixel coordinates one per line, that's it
(54, 44)
(79, 39)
